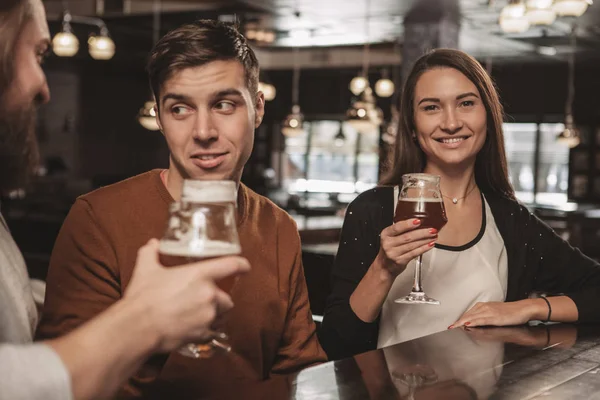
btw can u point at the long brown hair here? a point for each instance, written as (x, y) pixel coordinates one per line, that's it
(491, 171)
(13, 16)
(18, 144)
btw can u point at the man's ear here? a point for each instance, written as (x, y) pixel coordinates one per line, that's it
(259, 109)
(158, 119)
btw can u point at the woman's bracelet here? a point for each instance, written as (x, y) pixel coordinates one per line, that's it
(549, 308)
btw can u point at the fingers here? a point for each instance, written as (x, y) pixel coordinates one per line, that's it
(222, 267)
(405, 253)
(420, 234)
(467, 318)
(223, 302)
(401, 227)
(148, 253)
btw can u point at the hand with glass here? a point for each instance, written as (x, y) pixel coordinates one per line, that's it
(419, 216)
(203, 226)
(420, 199)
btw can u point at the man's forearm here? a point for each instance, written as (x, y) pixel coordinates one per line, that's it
(107, 350)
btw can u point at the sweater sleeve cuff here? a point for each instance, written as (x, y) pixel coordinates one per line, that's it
(586, 301)
(33, 371)
(361, 330)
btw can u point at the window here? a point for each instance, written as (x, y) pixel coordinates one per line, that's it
(553, 165)
(326, 159)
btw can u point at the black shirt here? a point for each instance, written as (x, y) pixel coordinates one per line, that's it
(538, 260)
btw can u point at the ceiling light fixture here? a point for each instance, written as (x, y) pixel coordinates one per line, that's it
(293, 123)
(570, 8)
(513, 19)
(384, 87)
(570, 136)
(268, 90)
(547, 50)
(65, 43)
(147, 115)
(364, 115)
(359, 83)
(101, 47)
(540, 12)
(339, 139)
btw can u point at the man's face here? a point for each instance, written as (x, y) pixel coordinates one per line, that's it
(19, 100)
(208, 117)
(29, 85)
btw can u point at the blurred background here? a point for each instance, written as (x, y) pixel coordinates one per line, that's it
(331, 71)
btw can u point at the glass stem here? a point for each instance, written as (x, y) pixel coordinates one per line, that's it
(417, 283)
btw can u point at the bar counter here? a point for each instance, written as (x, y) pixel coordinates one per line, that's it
(559, 361)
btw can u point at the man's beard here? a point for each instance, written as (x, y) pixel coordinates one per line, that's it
(19, 154)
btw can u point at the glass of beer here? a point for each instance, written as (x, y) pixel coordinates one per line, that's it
(421, 198)
(201, 226)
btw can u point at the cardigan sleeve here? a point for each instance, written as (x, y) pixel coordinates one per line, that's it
(342, 333)
(562, 268)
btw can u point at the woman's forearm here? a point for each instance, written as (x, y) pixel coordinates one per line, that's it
(368, 297)
(563, 309)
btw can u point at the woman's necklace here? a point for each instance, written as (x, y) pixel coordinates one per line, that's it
(456, 199)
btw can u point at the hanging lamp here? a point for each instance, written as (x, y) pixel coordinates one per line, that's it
(570, 135)
(147, 114)
(293, 123)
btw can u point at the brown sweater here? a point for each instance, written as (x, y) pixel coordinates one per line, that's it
(270, 327)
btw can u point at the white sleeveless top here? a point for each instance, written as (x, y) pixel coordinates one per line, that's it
(458, 277)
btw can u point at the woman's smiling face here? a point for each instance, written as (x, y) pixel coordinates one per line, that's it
(450, 117)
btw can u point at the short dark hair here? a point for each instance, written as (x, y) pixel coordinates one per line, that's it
(491, 170)
(196, 44)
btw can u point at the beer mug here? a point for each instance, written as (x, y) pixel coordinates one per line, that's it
(420, 197)
(201, 226)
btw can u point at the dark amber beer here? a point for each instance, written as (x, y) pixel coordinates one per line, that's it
(431, 212)
(172, 254)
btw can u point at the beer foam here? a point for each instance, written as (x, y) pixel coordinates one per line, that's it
(209, 191)
(206, 248)
(422, 200)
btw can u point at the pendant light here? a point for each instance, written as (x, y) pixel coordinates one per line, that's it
(147, 114)
(65, 43)
(339, 139)
(292, 125)
(570, 136)
(540, 12)
(512, 17)
(101, 47)
(361, 112)
(570, 8)
(384, 87)
(359, 83)
(268, 90)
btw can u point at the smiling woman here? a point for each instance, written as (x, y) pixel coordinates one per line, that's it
(489, 257)
(471, 84)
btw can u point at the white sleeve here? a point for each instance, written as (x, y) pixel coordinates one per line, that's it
(31, 372)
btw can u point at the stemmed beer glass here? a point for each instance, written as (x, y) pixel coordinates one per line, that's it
(420, 197)
(201, 226)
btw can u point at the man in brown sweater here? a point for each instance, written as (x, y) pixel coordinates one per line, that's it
(204, 77)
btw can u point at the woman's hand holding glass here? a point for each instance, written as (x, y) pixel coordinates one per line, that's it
(402, 242)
